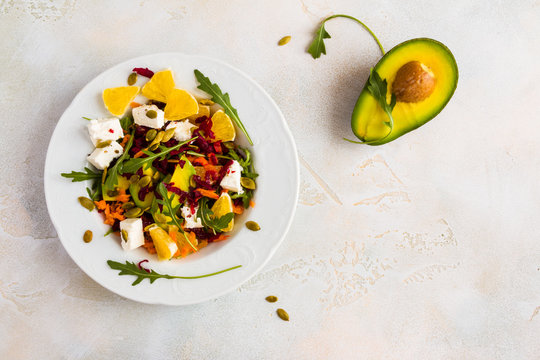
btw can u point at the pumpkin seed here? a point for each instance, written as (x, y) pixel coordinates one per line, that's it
(192, 182)
(206, 102)
(248, 183)
(103, 176)
(145, 180)
(134, 179)
(151, 114)
(151, 134)
(160, 218)
(156, 176)
(159, 137)
(87, 237)
(284, 40)
(86, 203)
(124, 235)
(102, 144)
(153, 147)
(282, 314)
(168, 134)
(128, 205)
(271, 298)
(253, 226)
(147, 227)
(133, 212)
(229, 145)
(132, 79)
(112, 193)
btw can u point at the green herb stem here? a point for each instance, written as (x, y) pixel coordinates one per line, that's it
(361, 23)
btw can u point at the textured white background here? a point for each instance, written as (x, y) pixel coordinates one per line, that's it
(427, 247)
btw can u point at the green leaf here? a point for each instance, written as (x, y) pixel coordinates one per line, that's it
(112, 173)
(317, 45)
(130, 268)
(88, 174)
(132, 165)
(222, 99)
(126, 122)
(171, 211)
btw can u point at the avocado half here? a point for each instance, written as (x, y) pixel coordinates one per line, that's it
(368, 117)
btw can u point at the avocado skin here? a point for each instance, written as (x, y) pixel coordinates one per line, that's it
(430, 108)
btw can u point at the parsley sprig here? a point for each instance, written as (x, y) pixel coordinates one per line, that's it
(130, 268)
(317, 46)
(378, 88)
(222, 99)
(209, 220)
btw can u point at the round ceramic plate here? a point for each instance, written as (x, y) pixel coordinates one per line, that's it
(276, 196)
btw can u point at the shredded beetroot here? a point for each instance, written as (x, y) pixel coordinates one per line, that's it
(206, 127)
(182, 163)
(213, 158)
(144, 72)
(144, 191)
(143, 268)
(217, 147)
(205, 184)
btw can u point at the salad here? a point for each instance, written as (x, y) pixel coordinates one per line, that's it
(166, 172)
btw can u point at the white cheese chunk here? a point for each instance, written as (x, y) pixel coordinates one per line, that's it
(140, 118)
(134, 230)
(105, 129)
(191, 222)
(102, 157)
(231, 180)
(183, 130)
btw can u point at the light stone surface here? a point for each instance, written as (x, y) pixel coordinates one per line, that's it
(426, 247)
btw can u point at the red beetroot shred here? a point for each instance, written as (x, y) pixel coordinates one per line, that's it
(144, 72)
(141, 267)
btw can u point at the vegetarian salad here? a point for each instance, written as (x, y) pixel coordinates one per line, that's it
(167, 174)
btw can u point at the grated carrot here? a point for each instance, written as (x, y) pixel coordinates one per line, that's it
(221, 237)
(208, 193)
(201, 161)
(134, 104)
(122, 196)
(251, 203)
(238, 209)
(125, 140)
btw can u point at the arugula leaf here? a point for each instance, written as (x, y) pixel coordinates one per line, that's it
(112, 173)
(86, 118)
(82, 176)
(132, 165)
(171, 211)
(209, 220)
(130, 268)
(126, 122)
(378, 87)
(222, 99)
(317, 45)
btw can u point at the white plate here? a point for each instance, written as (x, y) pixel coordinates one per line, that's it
(276, 196)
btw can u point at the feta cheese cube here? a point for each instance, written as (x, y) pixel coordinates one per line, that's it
(102, 157)
(231, 180)
(105, 129)
(183, 130)
(191, 222)
(140, 118)
(134, 230)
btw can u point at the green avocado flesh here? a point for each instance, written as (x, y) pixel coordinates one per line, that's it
(368, 117)
(143, 204)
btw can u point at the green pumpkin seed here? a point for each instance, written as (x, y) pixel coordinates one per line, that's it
(160, 218)
(192, 182)
(132, 79)
(229, 145)
(103, 176)
(282, 314)
(156, 176)
(151, 134)
(124, 235)
(284, 40)
(248, 183)
(86, 203)
(128, 205)
(253, 226)
(159, 136)
(168, 134)
(134, 179)
(151, 114)
(133, 212)
(112, 193)
(271, 299)
(153, 147)
(206, 102)
(144, 181)
(87, 237)
(102, 144)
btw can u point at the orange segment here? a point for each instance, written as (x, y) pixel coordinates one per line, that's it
(159, 86)
(222, 127)
(117, 99)
(180, 105)
(223, 206)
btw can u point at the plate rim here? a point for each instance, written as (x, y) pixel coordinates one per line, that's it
(273, 249)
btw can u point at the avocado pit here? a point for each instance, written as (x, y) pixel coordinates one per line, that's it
(414, 82)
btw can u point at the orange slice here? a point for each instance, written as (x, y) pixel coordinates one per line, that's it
(222, 127)
(159, 86)
(117, 99)
(223, 206)
(180, 105)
